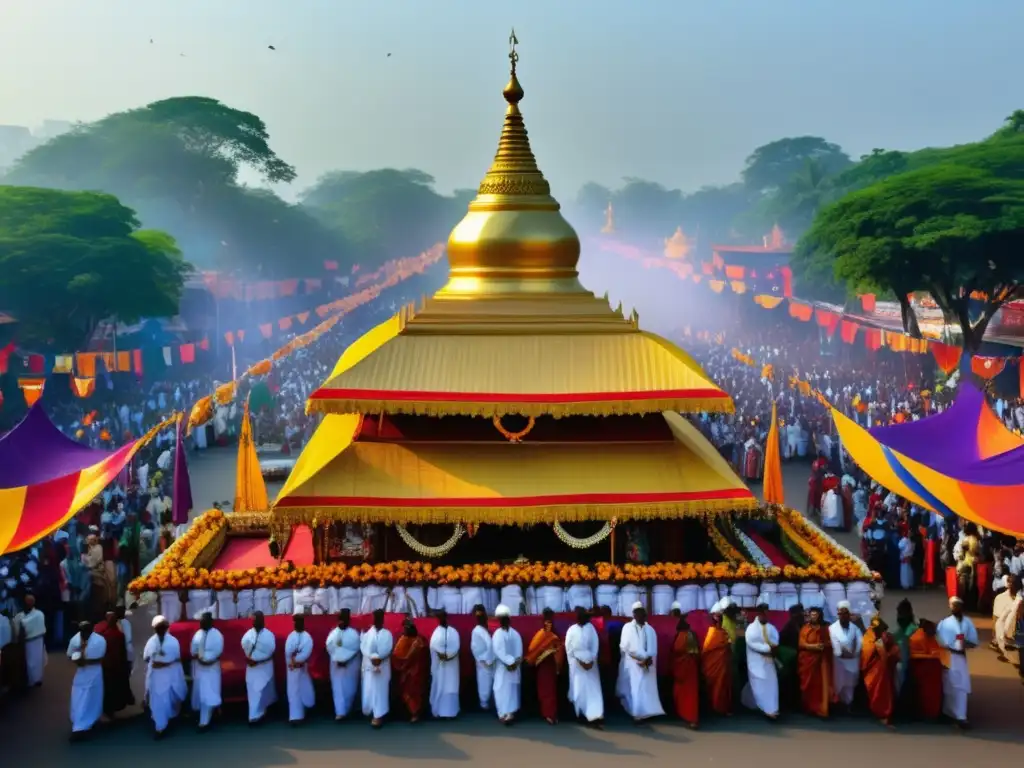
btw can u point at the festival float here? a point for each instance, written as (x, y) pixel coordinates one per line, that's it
(512, 439)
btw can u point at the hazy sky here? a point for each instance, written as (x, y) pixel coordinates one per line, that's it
(678, 91)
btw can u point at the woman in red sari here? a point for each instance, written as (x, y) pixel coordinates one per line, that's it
(546, 654)
(117, 685)
(686, 674)
(410, 661)
(878, 659)
(716, 665)
(926, 657)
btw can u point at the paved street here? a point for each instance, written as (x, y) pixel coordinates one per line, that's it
(33, 730)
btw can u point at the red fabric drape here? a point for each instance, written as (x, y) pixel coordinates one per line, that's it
(946, 356)
(734, 271)
(867, 302)
(137, 361)
(204, 345)
(848, 331)
(187, 352)
(827, 320)
(36, 363)
(872, 339)
(284, 323)
(987, 367)
(800, 311)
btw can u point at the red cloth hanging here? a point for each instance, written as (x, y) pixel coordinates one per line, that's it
(848, 331)
(827, 320)
(872, 339)
(32, 389)
(205, 345)
(187, 353)
(266, 329)
(707, 268)
(82, 387)
(137, 362)
(987, 367)
(734, 271)
(284, 323)
(36, 363)
(946, 356)
(800, 311)
(867, 302)
(303, 317)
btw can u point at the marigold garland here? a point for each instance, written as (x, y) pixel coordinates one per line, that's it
(514, 437)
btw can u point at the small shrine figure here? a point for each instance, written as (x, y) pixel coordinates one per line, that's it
(637, 551)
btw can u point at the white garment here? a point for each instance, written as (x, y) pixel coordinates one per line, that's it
(165, 686)
(483, 656)
(906, 547)
(33, 624)
(1005, 620)
(376, 644)
(297, 650)
(444, 675)
(343, 649)
(831, 510)
(507, 646)
(638, 686)
(956, 635)
(87, 687)
(845, 672)
(206, 646)
(762, 671)
(581, 647)
(258, 647)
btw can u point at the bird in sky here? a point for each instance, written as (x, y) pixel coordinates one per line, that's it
(271, 47)
(389, 55)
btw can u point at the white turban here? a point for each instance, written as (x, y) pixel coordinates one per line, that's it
(502, 610)
(955, 600)
(676, 607)
(158, 620)
(637, 606)
(726, 602)
(843, 605)
(717, 607)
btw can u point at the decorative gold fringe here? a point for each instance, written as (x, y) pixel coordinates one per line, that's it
(568, 513)
(489, 410)
(247, 522)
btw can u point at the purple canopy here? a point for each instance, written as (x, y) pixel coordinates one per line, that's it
(36, 451)
(951, 442)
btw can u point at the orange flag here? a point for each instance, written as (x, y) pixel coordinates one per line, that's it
(82, 387)
(32, 389)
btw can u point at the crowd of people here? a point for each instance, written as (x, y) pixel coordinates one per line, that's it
(916, 671)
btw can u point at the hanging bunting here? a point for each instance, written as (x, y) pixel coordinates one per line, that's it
(848, 331)
(187, 353)
(137, 362)
(867, 302)
(738, 286)
(241, 335)
(85, 364)
(82, 387)
(64, 364)
(205, 345)
(167, 355)
(109, 361)
(716, 285)
(31, 389)
(734, 272)
(768, 301)
(828, 320)
(266, 329)
(707, 269)
(284, 323)
(124, 362)
(873, 339)
(987, 367)
(303, 317)
(800, 310)
(946, 356)
(229, 337)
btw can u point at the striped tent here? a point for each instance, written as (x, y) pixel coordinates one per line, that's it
(46, 478)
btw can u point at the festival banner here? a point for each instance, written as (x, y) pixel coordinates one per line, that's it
(82, 388)
(987, 367)
(31, 389)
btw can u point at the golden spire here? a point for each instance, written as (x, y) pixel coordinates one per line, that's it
(513, 239)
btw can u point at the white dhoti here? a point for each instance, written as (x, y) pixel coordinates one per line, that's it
(260, 689)
(762, 689)
(87, 688)
(845, 676)
(376, 644)
(581, 647)
(444, 675)
(166, 692)
(206, 691)
(344, 686)
(637, 686)
(298, 684)
(35, 660)
(507, 646)
(956, 687)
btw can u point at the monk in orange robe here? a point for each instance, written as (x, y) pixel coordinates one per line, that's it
(686, 674)
(926, 664)
(814, 666)
(410, 661)
(546, 654)
(716, 665)
(879, 656)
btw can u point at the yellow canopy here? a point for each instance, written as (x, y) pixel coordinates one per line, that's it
(390, 370)
(505, 483)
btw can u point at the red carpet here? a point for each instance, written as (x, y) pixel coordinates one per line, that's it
(242, 553)
(773, 553)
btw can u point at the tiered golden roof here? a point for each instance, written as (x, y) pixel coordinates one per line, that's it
(512, 332)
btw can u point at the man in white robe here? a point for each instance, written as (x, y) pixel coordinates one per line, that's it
(444, 669)
(957, 634)
(86, 650)
(165, 678)
(581, 648)
(483, 656)
(207, 647)
(846, 638)
(258, 645)
(1004, 616)
(376, 646)
(507, 646)
(343, 649)
(763, 675)
(126, 629)
(30, 625)
(638, 676)
(297, 650)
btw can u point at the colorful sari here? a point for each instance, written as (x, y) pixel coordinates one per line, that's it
(546, 654)
(925, 678)
(814, 667)
(878, 670)
(716, 669)
(686, 676)
(410, 661)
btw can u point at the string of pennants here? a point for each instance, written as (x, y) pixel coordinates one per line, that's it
(947, 356)
(82, 367)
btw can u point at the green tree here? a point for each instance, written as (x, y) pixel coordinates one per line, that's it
(177, 163)
(69, 260)
(386, 213)
(771, 166)
(952, 229)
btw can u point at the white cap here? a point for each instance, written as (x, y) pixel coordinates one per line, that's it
(843, 605)
(717, 607)
(502, 610)
(727, 601)
(158, 620)
(636, 606)
(955, 600)
(676, 607)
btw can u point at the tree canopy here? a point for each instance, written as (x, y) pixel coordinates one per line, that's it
(385, 213)
(953, 228)
(177, 163)
(69, 260)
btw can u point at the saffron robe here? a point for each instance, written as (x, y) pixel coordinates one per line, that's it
(343, 649)
(716, 669)
(87, 688)
(376, 644)
(686, 676)
(546, 654)
(410, 661)
(258, 647)
(299, 685)
(582, 647)
(878, 659)
(444, 675)
(207, 648)
(814, 668)
(926, 672)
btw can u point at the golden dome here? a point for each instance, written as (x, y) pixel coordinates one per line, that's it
(513, 239)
